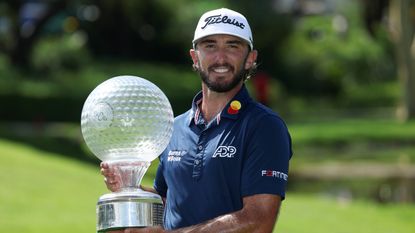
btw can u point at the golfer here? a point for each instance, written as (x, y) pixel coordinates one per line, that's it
(226, 166)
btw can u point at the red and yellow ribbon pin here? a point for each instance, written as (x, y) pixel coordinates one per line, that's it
(234, 107)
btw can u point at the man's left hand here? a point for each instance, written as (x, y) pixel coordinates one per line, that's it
(140, 230)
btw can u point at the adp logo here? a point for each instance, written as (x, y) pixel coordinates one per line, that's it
(224, 152)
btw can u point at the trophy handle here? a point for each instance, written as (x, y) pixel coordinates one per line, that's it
(131, 172)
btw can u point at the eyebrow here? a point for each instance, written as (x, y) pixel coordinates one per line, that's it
(205, 41)
(234, 42)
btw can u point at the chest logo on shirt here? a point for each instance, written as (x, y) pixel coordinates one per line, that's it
(175, 155)
(224, 152)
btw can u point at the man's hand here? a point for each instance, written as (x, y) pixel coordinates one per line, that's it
(115, 231)
(258, 215)
(112, 178)
(139, 230)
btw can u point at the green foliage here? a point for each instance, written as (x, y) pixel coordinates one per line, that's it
(59, 95)
(379, 141)
(53, 54)
(371, 94)
(9, 78)
(179, 83)
(329, 55)
(313, 59)
(331, 131)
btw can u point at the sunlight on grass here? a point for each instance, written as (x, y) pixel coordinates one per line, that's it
(44, 192)
(319, 213)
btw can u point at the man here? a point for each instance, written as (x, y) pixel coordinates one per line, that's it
(225, 168)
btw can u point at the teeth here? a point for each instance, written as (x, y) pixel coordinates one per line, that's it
(221, 70)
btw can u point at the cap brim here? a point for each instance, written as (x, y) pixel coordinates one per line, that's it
(195, 40)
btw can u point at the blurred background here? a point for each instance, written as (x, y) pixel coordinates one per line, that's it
(341, 73)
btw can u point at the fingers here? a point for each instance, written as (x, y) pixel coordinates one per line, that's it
(144, 230)
(107, 171)
(104, 165)
(113, 183)
(111, 178)
(105, 168)
(116, 231)
(139, 230)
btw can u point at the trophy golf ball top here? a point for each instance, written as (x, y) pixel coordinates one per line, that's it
(127, 118)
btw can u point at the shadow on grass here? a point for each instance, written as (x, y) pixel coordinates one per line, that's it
(60, 139)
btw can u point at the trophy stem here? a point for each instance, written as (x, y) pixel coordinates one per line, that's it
(131, 172)
(130, 206)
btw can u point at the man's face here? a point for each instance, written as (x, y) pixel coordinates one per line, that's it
(222, 61)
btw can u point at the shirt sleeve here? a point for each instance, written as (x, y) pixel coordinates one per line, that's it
(159, 182)
(265, 170)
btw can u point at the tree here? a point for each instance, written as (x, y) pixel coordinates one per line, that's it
(401, 25)
(25, 33)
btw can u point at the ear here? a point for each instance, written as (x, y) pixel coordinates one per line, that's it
(195, 59)
(251, 59)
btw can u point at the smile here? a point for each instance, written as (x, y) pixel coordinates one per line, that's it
(221, 69)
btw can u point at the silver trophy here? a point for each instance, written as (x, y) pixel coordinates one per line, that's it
(127, 121)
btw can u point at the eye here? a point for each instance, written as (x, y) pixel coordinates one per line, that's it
(209, 46)
(234, 46)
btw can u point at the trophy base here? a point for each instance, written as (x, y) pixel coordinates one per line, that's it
(129, 209)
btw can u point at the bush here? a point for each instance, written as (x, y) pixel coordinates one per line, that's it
(322, 60)
(64, 52)
(61, 96)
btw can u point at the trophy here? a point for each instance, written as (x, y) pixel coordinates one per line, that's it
(127, 122)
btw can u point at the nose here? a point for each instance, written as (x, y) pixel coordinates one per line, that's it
(221, 56)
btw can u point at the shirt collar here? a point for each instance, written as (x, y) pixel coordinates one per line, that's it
(232, 110)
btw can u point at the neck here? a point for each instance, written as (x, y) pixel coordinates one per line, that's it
(214, 102)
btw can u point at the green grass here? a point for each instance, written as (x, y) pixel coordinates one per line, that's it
(321, 214)
(46, 192)
(43, 192)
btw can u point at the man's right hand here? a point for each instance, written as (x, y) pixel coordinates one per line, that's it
(112, 178)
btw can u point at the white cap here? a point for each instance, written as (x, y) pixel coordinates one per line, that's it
(223, 21)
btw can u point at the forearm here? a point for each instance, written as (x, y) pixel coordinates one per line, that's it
(257, 216)
(227, 223)
(148, 189)
(250, 219)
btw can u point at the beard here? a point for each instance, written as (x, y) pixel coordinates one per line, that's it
(218, 85)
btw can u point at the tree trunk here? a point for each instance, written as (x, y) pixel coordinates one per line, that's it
(402, 30)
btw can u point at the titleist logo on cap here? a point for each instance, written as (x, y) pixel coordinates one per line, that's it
(215, 19)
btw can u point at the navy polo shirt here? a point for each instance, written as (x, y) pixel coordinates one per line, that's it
(208, 168)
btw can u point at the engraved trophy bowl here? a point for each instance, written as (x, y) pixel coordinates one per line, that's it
(127, 121)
